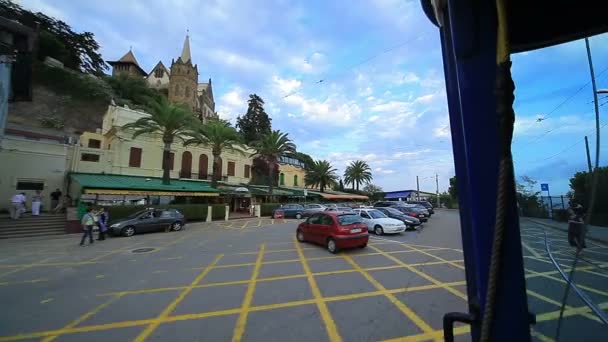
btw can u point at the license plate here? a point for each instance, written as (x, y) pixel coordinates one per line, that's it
(356, 230)
(421, 215)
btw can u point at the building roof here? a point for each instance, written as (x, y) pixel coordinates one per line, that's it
(120, 182)
(186, 50)
(128, 58)
(159, 65)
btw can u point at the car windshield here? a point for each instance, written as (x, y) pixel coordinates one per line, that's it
(376, 214)
(137, 213)
(393, 211)
(347, 219)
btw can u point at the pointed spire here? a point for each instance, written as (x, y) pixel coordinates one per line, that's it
(186, 50)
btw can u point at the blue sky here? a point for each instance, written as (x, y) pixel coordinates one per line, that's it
(382, 98)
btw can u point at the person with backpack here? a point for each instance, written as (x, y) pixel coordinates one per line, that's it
(576, 226)
(102, 223)
(88, 222)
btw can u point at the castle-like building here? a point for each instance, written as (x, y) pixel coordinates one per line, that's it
(179, 82)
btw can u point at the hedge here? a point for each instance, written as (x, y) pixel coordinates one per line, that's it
(560, 215)
(193, 212)
(267, 208)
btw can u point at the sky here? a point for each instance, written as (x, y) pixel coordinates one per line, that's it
(358, 82)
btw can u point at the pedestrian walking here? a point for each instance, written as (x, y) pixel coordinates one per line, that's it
(16, 204)
(36, 203)
(102, 222)
(55, 197)
(88, 221)
(576, 226)
(23, 208)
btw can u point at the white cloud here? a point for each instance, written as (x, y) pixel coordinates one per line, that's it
(366, 91)
(232, 104)
(285, 86)
(314, 63)
(236, 61)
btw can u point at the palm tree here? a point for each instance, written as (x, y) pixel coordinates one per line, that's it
(271, 147)
(218, 135)
(358, 172)
(321, 174)
(168, 120)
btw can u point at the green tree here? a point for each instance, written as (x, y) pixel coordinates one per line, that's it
(374, 192)
(77, 51)
(527, 198)
(452, 189)
(134, 90)
(304, 158)
(220, 137)
(271, 147)
(321, 174)
(580, 184)
(168, 120)
(358, 172)
(255, 124)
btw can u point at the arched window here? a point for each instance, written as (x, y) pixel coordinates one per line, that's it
(295, 180)
(158, 73)
(282, 179)
(186, 171)
(203, 166)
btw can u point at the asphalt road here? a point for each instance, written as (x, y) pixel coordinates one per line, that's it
(250, 280)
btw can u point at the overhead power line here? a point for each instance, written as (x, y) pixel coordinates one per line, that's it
(358, 64)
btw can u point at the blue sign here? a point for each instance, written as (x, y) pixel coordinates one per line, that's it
(544, 187)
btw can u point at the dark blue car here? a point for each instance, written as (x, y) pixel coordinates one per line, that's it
(290, 211)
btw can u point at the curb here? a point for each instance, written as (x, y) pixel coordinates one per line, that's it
(596, 239)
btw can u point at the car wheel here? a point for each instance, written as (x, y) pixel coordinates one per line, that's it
(298, 216)
(300, 236)
(331, 246)
(363, 245)
(176, 226)
(378, 230)
(128, 231)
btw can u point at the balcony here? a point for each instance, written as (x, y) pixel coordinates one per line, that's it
(201, 176)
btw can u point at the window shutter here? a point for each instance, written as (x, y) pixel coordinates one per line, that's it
(247, 171)
(135, 157)
(231, 167)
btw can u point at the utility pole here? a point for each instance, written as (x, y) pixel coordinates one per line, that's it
(588, 155)
(437, 183)
(417, 189)
(596, 105)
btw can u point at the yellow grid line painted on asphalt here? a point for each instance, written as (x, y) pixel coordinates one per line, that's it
(33, 281)
(553, 315)
(561, 280)
(328, 321)
(540, 336)
(21, 268)
(423, 275)
(292, 276)
(109, 326)
(409, 313)
(83, 318)
(239, 328)
(433, 335)
(531, 250)
(556, 303)
(169, 309)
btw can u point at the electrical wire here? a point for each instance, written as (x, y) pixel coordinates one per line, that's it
(366, 60)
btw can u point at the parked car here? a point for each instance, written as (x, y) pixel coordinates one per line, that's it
(425, 204)
(334, 229)
(400, 204)
(289, 211)
(413, 211)
(379, 223)
(312, 208)
(410, 221)
(149, 220)
(342, 209)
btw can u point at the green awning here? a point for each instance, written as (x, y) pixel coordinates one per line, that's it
(121, 182)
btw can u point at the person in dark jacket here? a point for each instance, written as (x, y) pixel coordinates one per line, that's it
(576, 226)
(102, 223)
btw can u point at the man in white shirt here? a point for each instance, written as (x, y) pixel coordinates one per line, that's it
(17, 206)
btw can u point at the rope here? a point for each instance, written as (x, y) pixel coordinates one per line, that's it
(506, 118)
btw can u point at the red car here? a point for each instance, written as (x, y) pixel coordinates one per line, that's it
(334, 229)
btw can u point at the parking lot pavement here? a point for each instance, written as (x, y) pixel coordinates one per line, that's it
(238, 280)
(546, 286)
(249, 280)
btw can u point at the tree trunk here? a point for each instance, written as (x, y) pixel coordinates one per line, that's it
(353, 185)
(216, 171)
(271, 164)
(166, 157)
(357, 185)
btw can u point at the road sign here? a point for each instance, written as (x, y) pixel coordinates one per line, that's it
(544, 187)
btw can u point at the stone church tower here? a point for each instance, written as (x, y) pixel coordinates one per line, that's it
(183, 79)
